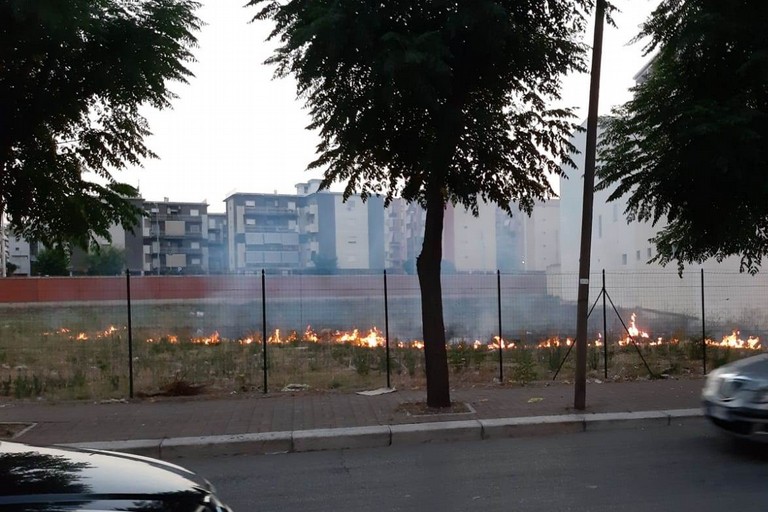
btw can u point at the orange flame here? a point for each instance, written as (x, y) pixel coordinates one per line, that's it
(554, 343)
(310, 335)
(494, 345)
(213, 339)
(734, 340)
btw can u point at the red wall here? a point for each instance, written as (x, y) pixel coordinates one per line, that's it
(76, 289)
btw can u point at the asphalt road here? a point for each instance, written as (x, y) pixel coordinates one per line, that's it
(679, 468)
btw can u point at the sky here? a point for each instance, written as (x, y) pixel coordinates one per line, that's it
(234, 128)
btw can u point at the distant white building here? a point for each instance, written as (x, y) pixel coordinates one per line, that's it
(495, 241)
(623, 249)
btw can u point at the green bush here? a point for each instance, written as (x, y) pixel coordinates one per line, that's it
(524, 369)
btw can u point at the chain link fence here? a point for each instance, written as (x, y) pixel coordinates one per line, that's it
(70, 337)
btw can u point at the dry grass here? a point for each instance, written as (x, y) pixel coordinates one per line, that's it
(39, 359)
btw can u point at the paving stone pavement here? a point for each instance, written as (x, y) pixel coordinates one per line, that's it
(203, 417)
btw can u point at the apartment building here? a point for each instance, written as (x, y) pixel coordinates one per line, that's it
(623, 249)
(541, 236)
(340, 235)
(175, 237)
(20, 253)
(469, 241)
(218, 261)
(395, 235)
(262, 232)
(494, 240)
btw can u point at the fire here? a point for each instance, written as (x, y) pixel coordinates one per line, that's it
(734, 340)
(108, 331)
(170, 338)
(62, 330)
(373, 339)
(346, 337)
(275, 338)
(494, 345)
(310, 335)
(213, 339)
(411, 344)
(633, 333)
(554, 343)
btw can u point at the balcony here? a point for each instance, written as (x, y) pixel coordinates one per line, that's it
(271, 210)
(270, 229)
(180, 250)
(155, 217)
(153, 235)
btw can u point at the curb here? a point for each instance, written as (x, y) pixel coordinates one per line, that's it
(391, 435)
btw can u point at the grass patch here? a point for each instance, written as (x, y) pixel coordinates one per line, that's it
(82, 353)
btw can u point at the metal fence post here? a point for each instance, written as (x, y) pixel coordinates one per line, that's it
(264, 325)
(130, 333)
(605, 334)
(501, 338)
(703, 326)
(386, 326)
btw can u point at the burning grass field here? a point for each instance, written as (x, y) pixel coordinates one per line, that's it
(82, 353)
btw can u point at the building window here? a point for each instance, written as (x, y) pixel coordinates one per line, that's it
(650, 253)
(195, 261)
(623, 259)
(638, 255)
(194, 213)
(615, 212)
(250, 222)
(195, 245)
(599, 226)
(250, 203)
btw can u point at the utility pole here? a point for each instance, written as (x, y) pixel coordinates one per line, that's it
(3, 245)
(585, 254)
(157, 235)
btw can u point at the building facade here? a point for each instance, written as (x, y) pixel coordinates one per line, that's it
(218, 260)
(338, 235)
(175, 237)
(262, 232)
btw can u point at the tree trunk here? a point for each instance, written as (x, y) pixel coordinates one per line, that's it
(428, 268)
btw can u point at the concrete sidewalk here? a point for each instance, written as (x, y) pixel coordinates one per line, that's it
(302, 421)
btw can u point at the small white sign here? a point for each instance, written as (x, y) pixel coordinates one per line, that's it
(583, 281)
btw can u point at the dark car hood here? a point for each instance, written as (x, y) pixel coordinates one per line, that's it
(754, 368)
(27, 471)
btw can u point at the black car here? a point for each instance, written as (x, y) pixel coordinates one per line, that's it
(735, 397)
(64, 479)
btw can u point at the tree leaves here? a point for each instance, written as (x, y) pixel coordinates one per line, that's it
(74, 76)
(409, 93)
(691, 148)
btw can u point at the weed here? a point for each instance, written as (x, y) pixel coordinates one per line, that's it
(593, 358)
(362, 366)
(459, 357)
(524, 371)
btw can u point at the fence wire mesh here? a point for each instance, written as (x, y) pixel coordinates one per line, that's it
(191, 334)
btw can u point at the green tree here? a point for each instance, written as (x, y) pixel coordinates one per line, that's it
(324, 264)
(51, 262)
(436, 101)
(690, 149)
(10, 268)
(106, 261)
(74, 76)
